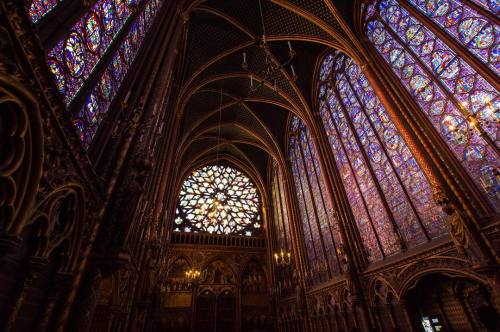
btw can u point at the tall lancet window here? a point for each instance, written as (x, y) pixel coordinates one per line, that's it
(280, 211)
(318, 222)
(446, 53)
(92, 58)
(390, 196)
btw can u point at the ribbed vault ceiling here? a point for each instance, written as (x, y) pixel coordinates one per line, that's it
(253, 125)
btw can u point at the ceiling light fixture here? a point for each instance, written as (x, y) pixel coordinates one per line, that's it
(273, 68)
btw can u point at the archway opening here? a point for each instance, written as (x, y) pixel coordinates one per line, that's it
(442, 303)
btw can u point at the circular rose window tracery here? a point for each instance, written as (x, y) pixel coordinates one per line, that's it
(218, 200)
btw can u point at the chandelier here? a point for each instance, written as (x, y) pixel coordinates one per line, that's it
(192, 275)
(283, 258)
(273, 68)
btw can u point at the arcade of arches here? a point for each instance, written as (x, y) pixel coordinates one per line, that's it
(249, 165)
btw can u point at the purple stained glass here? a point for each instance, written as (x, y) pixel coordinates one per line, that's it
(74, 55)
(454, 74)
(316, 209)
(111, 78)
(375, 217)
(308, 199)
(278, 217)
(58, 70)
(474, 31)
(326, 220)
(491, 5)
(87, 42)
(39, 8)
(279, 208)
(93, 32)
(301, 201)
(284, 209)
(324, 236)
(356, 200)
(401, 161)
(444, 86)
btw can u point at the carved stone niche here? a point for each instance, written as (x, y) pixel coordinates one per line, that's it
(21, 157)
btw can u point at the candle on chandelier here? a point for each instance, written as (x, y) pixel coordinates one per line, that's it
(293, 70)
(290, 46)
(244, 57)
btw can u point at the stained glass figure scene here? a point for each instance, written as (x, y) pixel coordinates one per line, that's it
(90, 62)
(447, 55)
(218, 199)
(390, 196)
(322, 236)
(39, 8)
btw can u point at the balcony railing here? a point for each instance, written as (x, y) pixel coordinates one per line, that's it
(218, 240)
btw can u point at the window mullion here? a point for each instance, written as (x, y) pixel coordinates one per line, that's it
(365, 204)
(370, 170)
(301, 188)
(315, 208)
(437, 81)
(54, 26)
(391, 162)
(459, 49)
(323, 201)
(278, 194)
(79, 99)
(277, 209)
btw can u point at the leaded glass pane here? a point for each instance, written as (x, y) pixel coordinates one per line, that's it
(218, 200)
(39, 8)
(457, 100)
(390, 196)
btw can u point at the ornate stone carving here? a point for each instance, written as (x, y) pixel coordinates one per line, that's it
(456, 220)
(20, 154)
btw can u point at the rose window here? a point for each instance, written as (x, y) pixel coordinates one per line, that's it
(218, 200)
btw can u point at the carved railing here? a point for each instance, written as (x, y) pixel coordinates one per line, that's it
(218, 240)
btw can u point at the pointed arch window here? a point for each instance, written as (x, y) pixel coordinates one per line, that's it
(90, 62)
(280, 211)
(320, 231)
(446, 54)
(390, 196)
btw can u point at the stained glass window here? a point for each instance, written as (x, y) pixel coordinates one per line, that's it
(480, 35)
(492, 5)
(39, 8)
(435, 48)
(390, 196)
(280, 211)
(320, 230)
(86, 42)
(218, 200)
(100, 98)
(111, 32)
